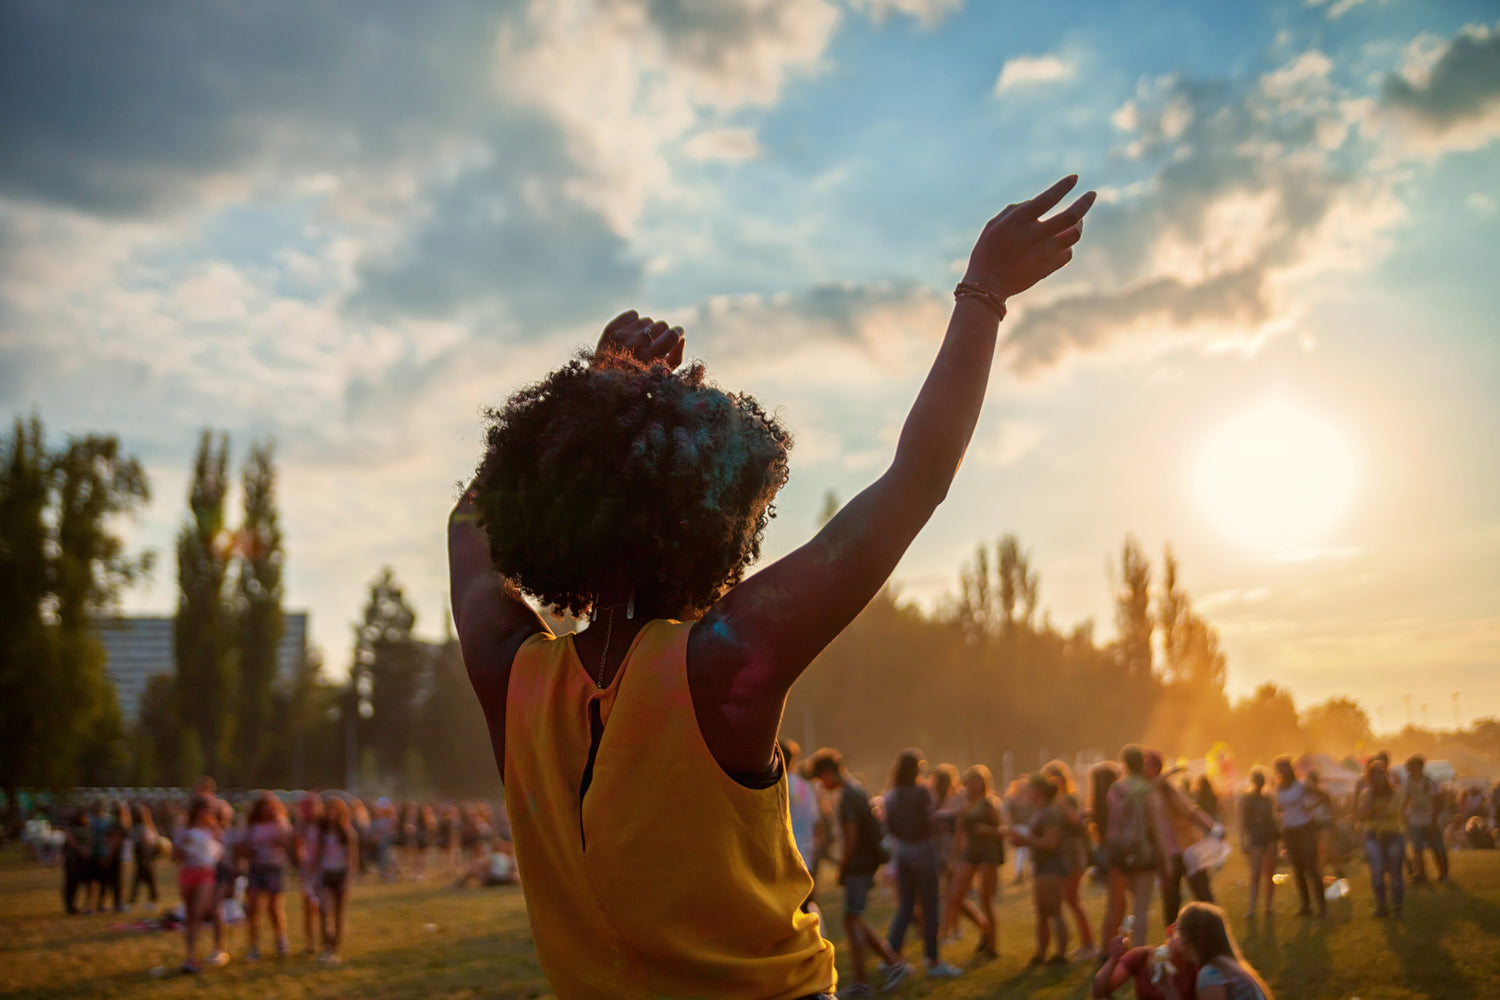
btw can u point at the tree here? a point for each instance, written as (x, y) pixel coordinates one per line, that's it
(28, 683)
(454, 738)
(1018, 584)
(394, 667)
(203, 636)
(1338, 726)
(1265, 725)
(258, 607)
(1133, 618)
(61, 567)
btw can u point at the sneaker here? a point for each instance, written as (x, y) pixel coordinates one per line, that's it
(1086, 953)
(283, 948)
(943, 970)
(334, 959)
(857, 990)
(895, 974)
(219, 959)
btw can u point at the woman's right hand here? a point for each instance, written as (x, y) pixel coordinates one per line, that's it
(1018, 247)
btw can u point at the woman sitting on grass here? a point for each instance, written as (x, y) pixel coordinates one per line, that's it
(646, 793)
(1223, 973)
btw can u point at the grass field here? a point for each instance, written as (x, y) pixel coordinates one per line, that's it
(427, 940)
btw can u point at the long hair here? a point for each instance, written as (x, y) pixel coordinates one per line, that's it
(907, 769)
(983, 774)
(1062, 775)
(1102, 777)
(1379, 781)
(336, 820)
(1285, 776)
(1205, 931)
(944, 779)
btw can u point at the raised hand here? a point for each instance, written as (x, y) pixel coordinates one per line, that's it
(645, 339)
(1018, 247)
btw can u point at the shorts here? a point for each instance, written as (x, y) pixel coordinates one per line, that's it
(224, 873)
(334, 879)
(856, 892)
(189, 879)
(1425, 837)
(265, 877)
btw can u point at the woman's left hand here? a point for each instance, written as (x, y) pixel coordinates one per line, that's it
(644, 339)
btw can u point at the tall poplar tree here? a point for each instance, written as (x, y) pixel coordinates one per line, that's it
(258, 606)
(203, 633)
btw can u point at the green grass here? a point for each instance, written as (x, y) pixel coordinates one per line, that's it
(425, 940)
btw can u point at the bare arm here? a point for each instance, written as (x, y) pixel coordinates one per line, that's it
(752, 645)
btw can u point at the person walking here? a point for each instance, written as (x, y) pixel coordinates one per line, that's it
(861, 858)
(1074, 851)
(269, 842)
(146, 845)
(197, 851)
(1048, 871)
(804, 810)
(908, 817)
(1259, 837)
(1132, 851)
(1379, 813)
(1421, 807)
(338, 859)
(1301, 836)
(980, 848)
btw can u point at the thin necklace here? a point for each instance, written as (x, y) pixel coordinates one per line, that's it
(609, 629)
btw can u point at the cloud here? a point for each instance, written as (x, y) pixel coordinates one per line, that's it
(927, 12)
(1012, 441)
(1026, 71)
(1447, 97)
(1336, 8)
(723, 144)
(1247, 201)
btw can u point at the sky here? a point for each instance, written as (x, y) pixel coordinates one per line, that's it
(351, 227)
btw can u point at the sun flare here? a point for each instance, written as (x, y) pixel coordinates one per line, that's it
(1276, 478)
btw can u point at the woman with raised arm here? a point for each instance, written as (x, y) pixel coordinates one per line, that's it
(644, 786)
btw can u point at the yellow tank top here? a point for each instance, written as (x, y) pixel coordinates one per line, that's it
(664, 877)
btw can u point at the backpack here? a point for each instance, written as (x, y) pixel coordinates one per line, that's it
(1128, 839)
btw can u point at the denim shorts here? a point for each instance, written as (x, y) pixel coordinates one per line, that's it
(265, 877)
(1425, 837)
(856, 891)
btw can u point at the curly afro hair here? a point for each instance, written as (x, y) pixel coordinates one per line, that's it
(611, 470)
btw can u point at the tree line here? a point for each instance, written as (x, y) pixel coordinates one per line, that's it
(983, 673)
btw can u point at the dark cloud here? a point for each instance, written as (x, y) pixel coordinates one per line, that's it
(120, 109)
(1226, 208)
(1462, 85)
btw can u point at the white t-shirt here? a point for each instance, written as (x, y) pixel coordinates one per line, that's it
(199, 848)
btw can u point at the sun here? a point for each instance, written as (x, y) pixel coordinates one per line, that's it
(1276, 478)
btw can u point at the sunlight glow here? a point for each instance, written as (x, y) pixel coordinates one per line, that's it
(1276, 478)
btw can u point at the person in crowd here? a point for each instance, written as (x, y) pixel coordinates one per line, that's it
(1259, 837)
(1019, 808)
(1477, 835)
(306, 835)
(383, 837)
(78, 852)
(1048, 871)
(1300, 834)
(1223, 973)
(1378, 813)
(1320, 807)
(979, 845)
(908, 817)
(861, 858)
(1181, 823)
(146, 845)
(1131, 850)
(197, 852)
(1421, 812)
(1101, 778)
(112, 874)
(495, 865)
(947, 801)
(338, 858)
(426, 837)
(1205, 798)
(102, 841)
(269, 842)
(658, 562)
(1074, 850)
(803, 807)
(230, 831)
(1166, 972)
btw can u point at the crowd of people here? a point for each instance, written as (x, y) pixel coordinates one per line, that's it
(1139, 828)
(234, 859)
(945, 841)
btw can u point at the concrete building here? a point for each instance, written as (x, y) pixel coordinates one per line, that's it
(138, 648)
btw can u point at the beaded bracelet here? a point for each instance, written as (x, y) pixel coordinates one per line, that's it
(972, 290)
